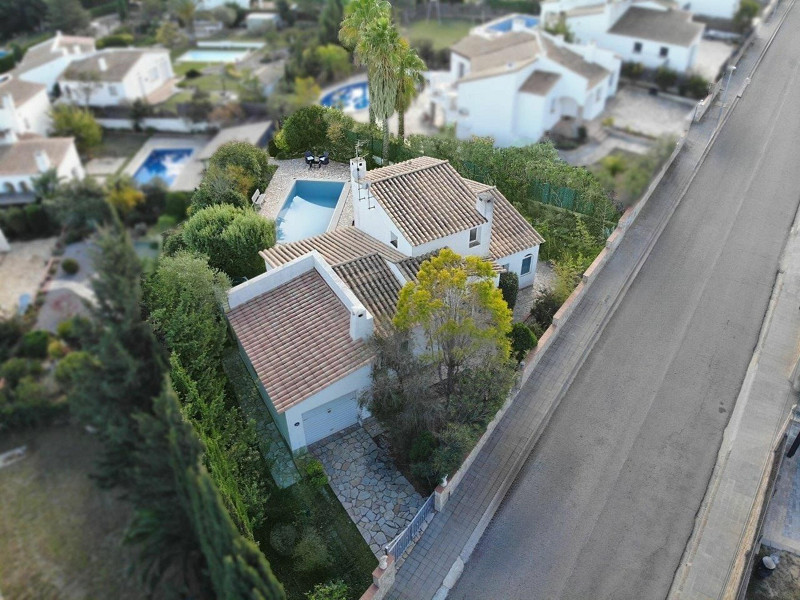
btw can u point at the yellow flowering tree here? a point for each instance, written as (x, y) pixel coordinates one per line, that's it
(461, 313)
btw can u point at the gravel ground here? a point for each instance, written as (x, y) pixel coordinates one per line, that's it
(783, 584)
(21, 271)
(544, 280)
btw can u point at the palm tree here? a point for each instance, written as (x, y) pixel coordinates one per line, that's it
(408, 85)
(357, 16)
(381, 47)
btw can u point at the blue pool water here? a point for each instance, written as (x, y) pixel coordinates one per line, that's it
(308, 209)
(213, 55)
(164, 164)
(505, 26)
(349, 97)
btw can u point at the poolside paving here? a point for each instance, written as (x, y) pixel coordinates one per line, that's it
(378, 498)
(290, 171)
(192, 172)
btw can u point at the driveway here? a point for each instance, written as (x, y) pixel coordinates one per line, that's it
(378, 498)
(635, 109)
(22, 270)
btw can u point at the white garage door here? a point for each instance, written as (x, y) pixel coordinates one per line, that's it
(329, 418)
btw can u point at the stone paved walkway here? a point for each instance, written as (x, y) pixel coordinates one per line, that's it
(380, 501)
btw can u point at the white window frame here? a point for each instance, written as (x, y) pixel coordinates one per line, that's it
(529, 258)
(474, 237)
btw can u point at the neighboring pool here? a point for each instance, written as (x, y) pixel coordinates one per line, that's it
(505, 26)
(213, 55)
(348, 97)
(165, 164)
(308, 209)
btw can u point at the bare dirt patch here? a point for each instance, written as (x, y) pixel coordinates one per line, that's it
(22, 270)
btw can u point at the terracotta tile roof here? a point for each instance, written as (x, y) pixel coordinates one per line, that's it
(54, 48)
(373, 282)
(592, 72)
(409, 267)
(426, 198)
(19, 158)
(118, 64)
(477, 45)
(511, 232)
(540, 82)
(337, 246)
(668, 26)
(21, 91)
(297, 337)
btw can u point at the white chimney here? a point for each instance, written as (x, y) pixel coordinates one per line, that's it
(361, 324)
(102, 64)
(42, 160)
(485, 206)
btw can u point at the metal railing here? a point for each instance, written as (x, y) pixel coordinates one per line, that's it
(399, 544)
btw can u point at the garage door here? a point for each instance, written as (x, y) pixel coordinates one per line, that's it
(329, 418)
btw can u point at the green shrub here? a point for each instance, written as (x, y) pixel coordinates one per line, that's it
(523, 341)
(10, 333)
(193, 74)
(72, 365)
(283, 538)
(544, 307)
(306, 129)
(665, 78)
(7, 62)
(455, 442)
(115, 40)
(632, 70)
(37, 221)
(70, 266)
(332, 590)
(166, 222)
(311, 554)
(316, 473)
(34, 344)
(15, 222)
(422, 447)
(14, 369)
(30, 408)
(56, 349)
(509, 286)
(697, 87)
(72, 330)
(176, 204)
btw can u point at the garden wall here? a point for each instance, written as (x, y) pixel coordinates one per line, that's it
(171, 125)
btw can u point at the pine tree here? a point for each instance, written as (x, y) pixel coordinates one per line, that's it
(329, 20)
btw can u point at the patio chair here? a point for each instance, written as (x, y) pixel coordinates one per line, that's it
(324, 159)
(310, 159)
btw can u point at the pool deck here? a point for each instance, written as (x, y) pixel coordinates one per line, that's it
(191, 174)
(290, 171)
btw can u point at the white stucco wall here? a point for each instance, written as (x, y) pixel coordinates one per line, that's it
(486, 107)
(679, 58)
(513, 263)
(723, 9)
(34, 115)
(355, 382)
(71, 167)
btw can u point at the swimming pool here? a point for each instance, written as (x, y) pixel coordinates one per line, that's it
(505, 26)
(213, 55)
(164, 164)
(353, 96)
(308, 209)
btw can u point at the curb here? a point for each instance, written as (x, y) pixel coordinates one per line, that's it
(458, 566)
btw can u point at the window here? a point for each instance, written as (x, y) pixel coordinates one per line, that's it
(504, 267)
(637, 47)
(663, 52)
(553, 105)
(112, 90)
(393, 239)
(461, 70)
(526, 265)
(474, 239)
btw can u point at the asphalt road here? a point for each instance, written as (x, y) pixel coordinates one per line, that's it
(606, 502)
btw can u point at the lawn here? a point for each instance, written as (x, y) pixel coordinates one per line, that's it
(60, 535)
(306, 507)
(181, 68)
(443, 34)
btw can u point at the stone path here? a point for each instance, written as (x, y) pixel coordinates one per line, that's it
(378, 498)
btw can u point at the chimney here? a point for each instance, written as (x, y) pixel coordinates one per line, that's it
(42, 160)
(361, 324)
(485, 206)
(102, 64)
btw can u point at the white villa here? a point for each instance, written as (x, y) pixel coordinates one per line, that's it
(651, 32)
(119, 76)
(303, 326)
(45, 62)
(512, 81)
(720, 9)
(24, 151)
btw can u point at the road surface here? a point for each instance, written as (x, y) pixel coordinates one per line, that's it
(606, 502)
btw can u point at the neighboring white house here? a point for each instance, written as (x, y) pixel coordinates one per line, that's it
(45, 62)
(650, 32)
(119, 76)
(258, 22)
(24, 152)
(721, 9)
(24, 106)
(303, 325)
(513, 82)
(212, 4)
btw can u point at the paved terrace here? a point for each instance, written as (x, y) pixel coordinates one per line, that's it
(451, 534)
